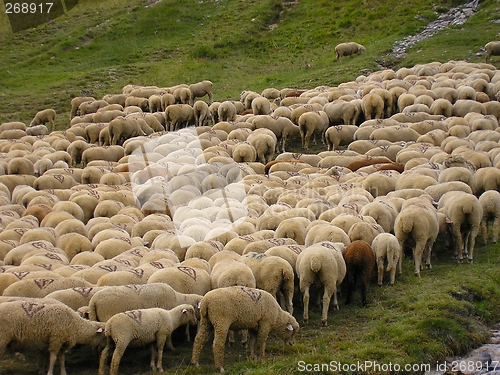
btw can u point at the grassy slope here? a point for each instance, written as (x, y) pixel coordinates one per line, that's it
(101, 46)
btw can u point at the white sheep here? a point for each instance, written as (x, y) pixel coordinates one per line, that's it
(184, 279)
(348, 49)
(46, 327)
(114, 299)
(490, 202)
(464, 214)
(141, 327)
(274, 275)
(252, 309)
(323, 262)
(418, 221)
(311, 123)
(43, 117)
(386, 247)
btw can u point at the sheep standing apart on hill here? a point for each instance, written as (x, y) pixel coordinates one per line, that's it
(348, 49)
(46, 327)
(490, 202)
(252, 309)
(360, 261)
(141, 327)
(492, 49)
(43, 117)
(321, 263)
(386, 246)
(200, 89)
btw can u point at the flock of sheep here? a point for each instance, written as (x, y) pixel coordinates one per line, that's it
(187, 211)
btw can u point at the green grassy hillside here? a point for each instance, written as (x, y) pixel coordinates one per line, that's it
(98, 47)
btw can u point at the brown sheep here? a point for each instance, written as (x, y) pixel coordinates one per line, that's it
(360, 260)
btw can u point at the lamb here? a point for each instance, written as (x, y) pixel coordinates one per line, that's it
(46, 327)
(360, 261)
(114, 299)
(141, 327)
(386, 246)
(274, 275)
(252, 309)
(348, 49)
(321, 262)
(43, 117)
(490, 203)
(464, 214)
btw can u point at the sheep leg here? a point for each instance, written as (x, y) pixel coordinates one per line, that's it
(496, 228)
(170, 346)
(380, 266)
(418, 252)
(152, 349)
(484, 230)
(253, 339)
(459, 242)
(472, 242)
(104, 356)
(220, 335)
(262, 334)
(62, 361)
(117, 356)
(160, 344)
(199, 341)
(244, 338)
(306, 296)
(52, 361)
(327, 295)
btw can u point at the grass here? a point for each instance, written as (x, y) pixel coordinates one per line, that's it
(98, 47)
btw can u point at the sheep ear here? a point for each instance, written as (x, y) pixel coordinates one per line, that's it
(184, 311)
(289, 327)
(448, 221)
(199, 305)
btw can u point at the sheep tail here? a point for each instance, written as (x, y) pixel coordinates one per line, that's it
(315, 264)
(407, 226)
(391, 259)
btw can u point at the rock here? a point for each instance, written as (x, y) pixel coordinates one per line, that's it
(455, 16)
